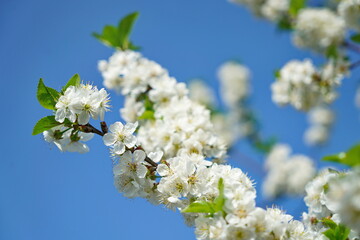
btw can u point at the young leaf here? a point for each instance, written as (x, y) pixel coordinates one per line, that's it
(199, 207)
(110, 36)
(342, 232)
(125, 27)
(330, 234)
(44, 124)
(335, 231)
(277, 73)
(220, 200)
(355, 38)
(46, 96)
(296, 6)
(285, 24)
(73, 81)
(332, 52)
(329, 223)
(350, 158)
(118, 36)
(147, 115)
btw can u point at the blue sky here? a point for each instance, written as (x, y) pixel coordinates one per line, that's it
(45, 194)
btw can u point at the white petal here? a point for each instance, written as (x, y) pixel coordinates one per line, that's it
(130, 141)
(156, 156)
(163, 170)
(139, 156)
(117, 169)
(141, 171)
(130, 128)
(116, 127)
(109, 139)
(119, 148)
(86, 136)
(83, 118)
(127, 156)
(60, 115)
(77, 147)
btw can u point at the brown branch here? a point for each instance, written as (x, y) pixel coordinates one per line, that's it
(354, 65)
(351, 46)
(88, 128)
(104, 127)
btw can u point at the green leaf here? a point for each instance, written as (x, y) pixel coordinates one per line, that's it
(220, 200)
(335, 231)
(296, 6)
(265, 146)
(118, 36)
(277, 73)
(125, 27)
(332, 52)
(73, 81)
(147, 115)
(330, 234)
(149, 105)
(110, 36)
(285, 24)
(350, 158)
(133, 47)
(342, 232)
(355, 38)
(200, 207)
(329, 223)
(46, 96)
(44, 124)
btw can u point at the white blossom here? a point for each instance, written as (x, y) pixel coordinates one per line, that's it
(80, 103)
(286, 174)
(349, 10)
(303, 86)
(320, 119)
(120, 137)
(201, 93)
(274, 10)
(234, 79)
(343, 198)
(318, 29)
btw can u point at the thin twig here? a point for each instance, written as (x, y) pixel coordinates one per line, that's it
(354, 65)
(104, 127)
(351, 46)
(88, 128)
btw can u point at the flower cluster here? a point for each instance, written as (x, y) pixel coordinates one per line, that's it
(79, 103)
(255, 224)
(226, 124)
(320, 119)
(275, 10)
(327, 192)
(318, 29)
(343, 197)
(303, 86)
(286, 174)
(171, 122)
(315, 201)
(201, 93)
(349, 10)
(234, 80)
(177, 172)
(68, 141)
(235, 88)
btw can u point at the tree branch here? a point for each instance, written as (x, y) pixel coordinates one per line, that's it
(351, 46)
